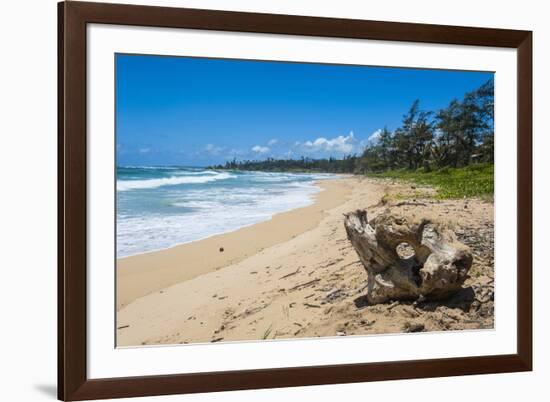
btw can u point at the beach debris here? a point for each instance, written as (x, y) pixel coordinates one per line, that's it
(305, 284)
(312, 305)
(292, 273)
(412, 313)
(221, 249)
(331, 263)
(436, 269)
(339, 333)
(286, 311)
(217, 339)
(393, 305)
(334, 295)
(124, 326)
(413, 327)
(367, 322)
(252, 310)
(351, 263)
(411, 204)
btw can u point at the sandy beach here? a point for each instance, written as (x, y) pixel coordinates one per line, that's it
(296, 275)
(146, 273)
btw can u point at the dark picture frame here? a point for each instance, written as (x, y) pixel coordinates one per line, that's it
(73, 382)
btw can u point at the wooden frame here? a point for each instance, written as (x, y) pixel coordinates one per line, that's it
(73, 383)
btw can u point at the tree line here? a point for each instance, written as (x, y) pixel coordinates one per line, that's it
(455, 136)
(331, 165)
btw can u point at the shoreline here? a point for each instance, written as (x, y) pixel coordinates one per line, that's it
(145, 273)
(317, 183)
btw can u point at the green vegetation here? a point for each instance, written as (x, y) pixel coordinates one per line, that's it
(457, 136)
(470, 181)
(267, 332)
(451, 149)
(331, 165)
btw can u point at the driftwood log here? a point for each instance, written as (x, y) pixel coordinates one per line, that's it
(407, 261)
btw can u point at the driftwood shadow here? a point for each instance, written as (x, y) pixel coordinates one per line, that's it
(462, 299)
(361, 302)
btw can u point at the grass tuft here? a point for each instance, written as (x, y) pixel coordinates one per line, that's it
(267, 332)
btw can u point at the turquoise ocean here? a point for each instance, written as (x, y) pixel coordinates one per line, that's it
(162, 206)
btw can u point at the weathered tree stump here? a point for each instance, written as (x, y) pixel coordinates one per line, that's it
(407, 261)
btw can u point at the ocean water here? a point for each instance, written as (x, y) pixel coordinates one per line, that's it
(160, 207)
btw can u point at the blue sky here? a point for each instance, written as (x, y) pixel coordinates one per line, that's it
(197, 112)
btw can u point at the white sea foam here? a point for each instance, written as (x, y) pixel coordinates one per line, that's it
(126, 185)
(220, 213)
(195, 173)
(151, 167)
(168, 216)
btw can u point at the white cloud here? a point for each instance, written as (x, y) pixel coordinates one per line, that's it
(144, 150)
(235, 151)
(376, 135)
(259, 149)
(213, 149)
(372, 139)
(340, 144)
(272, 142)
